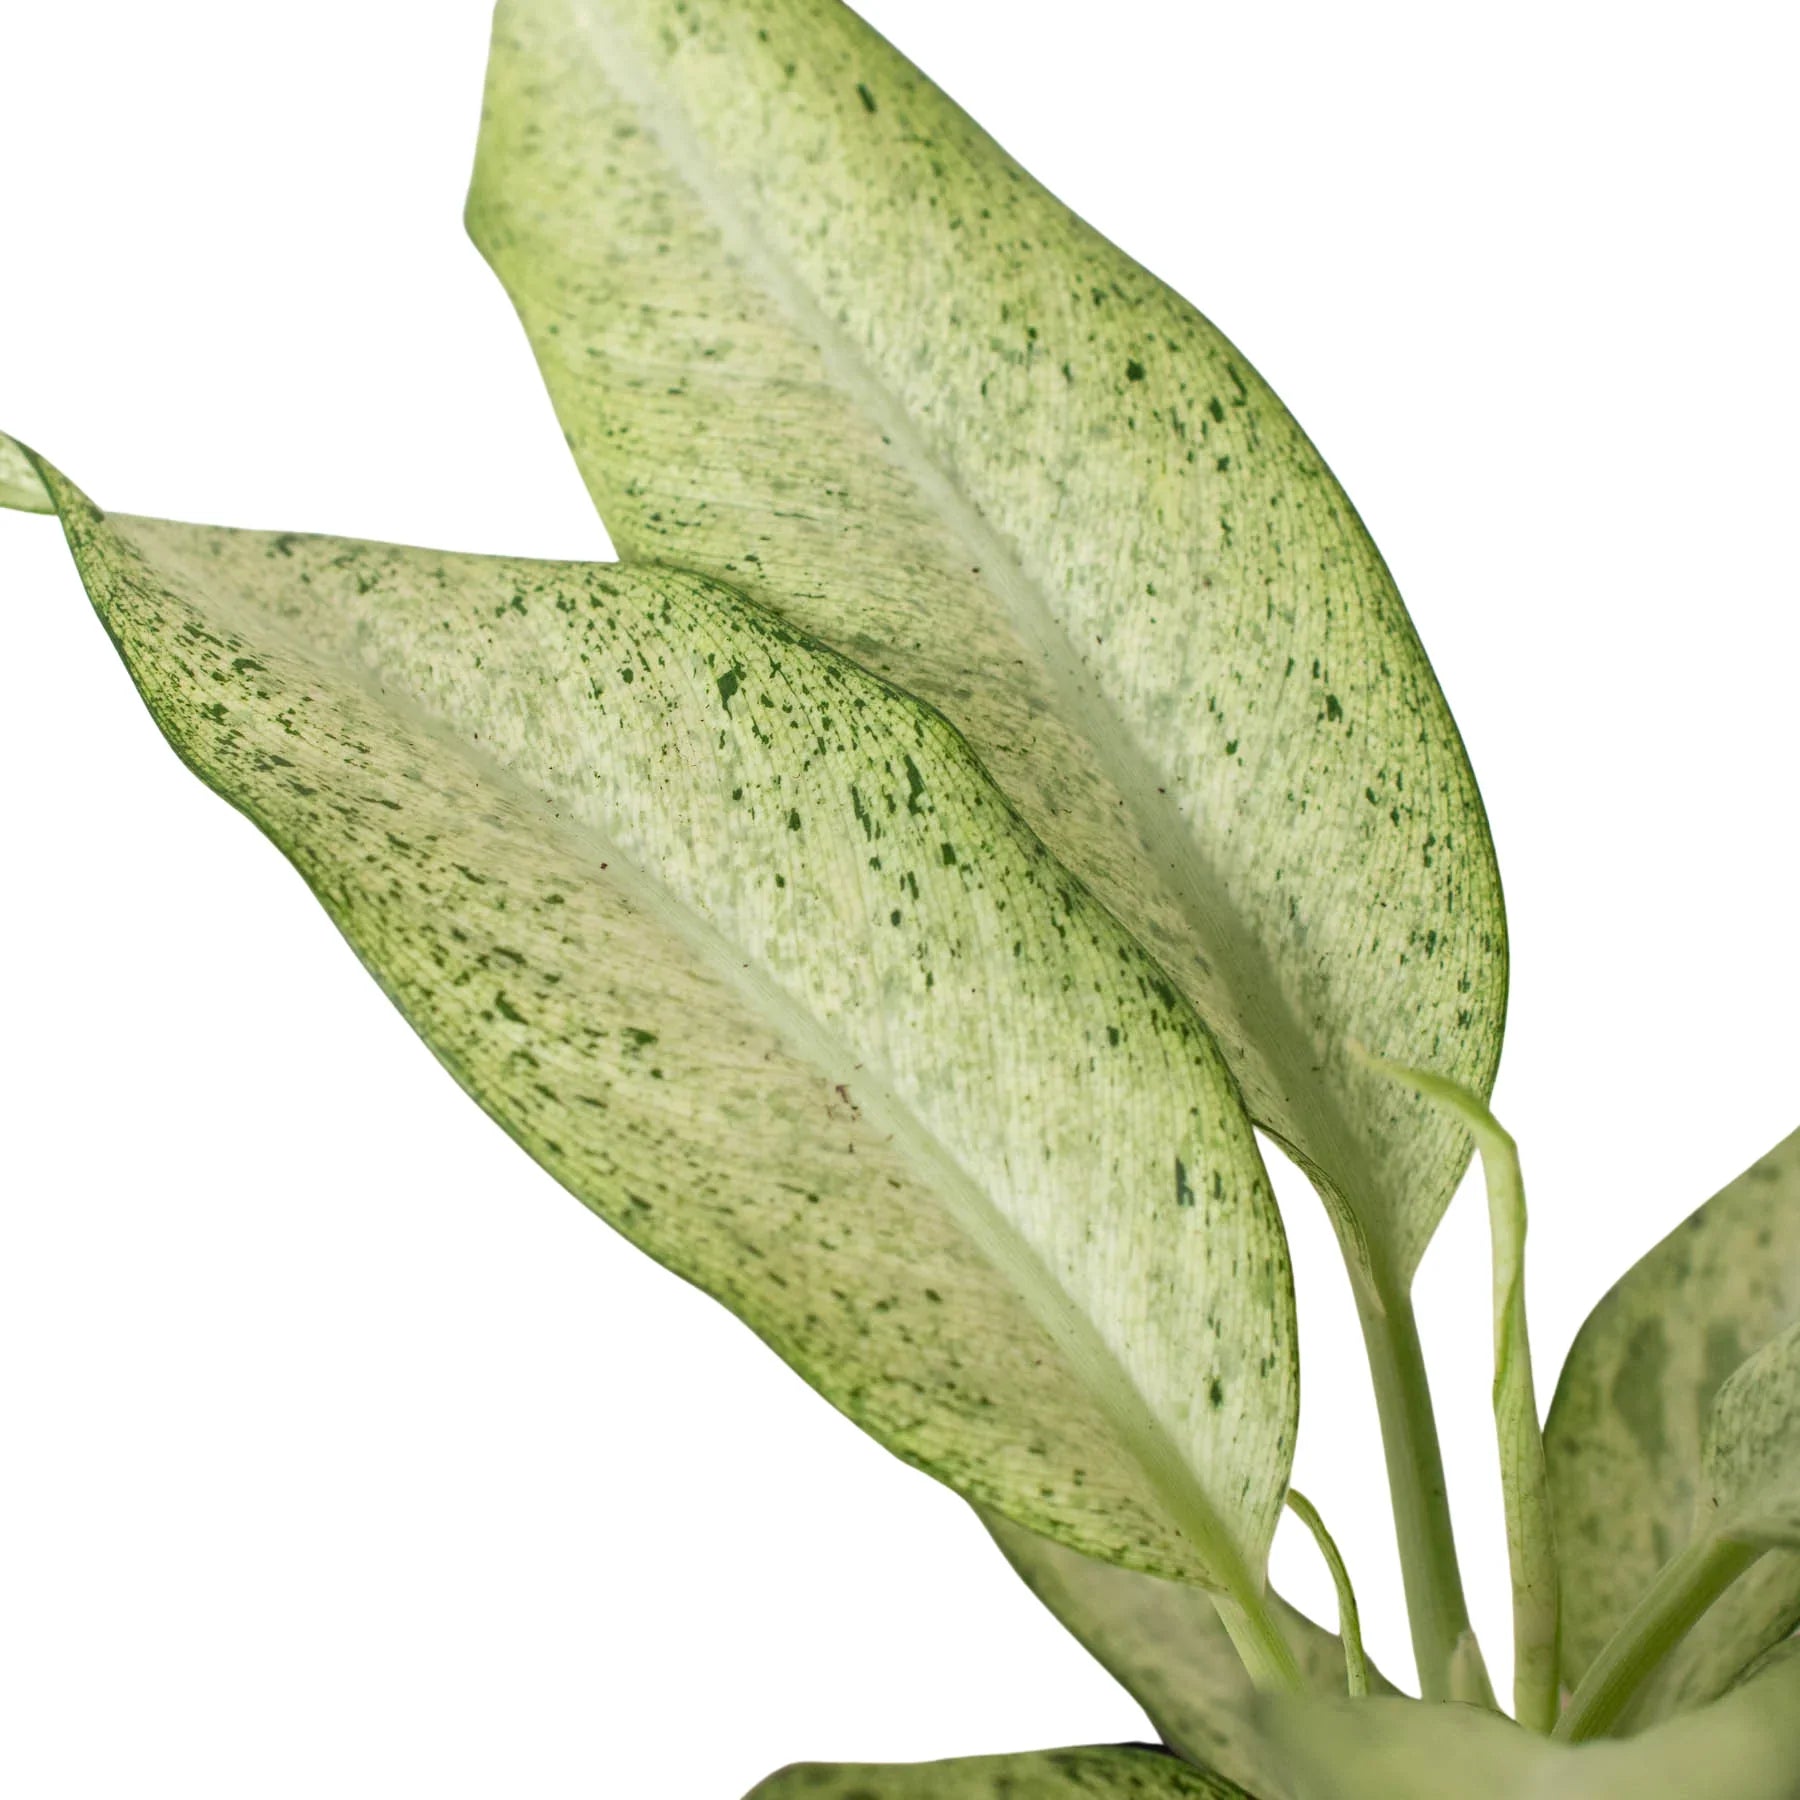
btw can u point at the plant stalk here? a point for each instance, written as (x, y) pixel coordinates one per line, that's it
(1524, 1474)
(1688, 1584)
(1436, 1608)
(1266, 1655)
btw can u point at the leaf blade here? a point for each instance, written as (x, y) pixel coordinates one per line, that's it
(1751, 1455)
(520, 789)
(767, 268)
(1624, 1437)
(21, 489)
(1745, 1746)
(1042, 1775)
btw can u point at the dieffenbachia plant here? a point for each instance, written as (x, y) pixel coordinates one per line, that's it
(999, 778)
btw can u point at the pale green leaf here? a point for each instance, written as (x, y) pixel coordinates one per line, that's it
(808, 329)
(1750, 1459)
(743, 946)
(1624, 1437)
(1163, 1642)
(1743, 1747)
(20, 487)
(1124, 1773)
(1754, 1613)
(1398, 1749)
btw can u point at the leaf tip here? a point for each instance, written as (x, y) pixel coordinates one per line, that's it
(22, 487)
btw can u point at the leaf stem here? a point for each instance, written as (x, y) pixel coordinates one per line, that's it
(1688, 1584)
(1356, 1663)
(1436, 1607)
(1524, 1477)
(1266, 1654)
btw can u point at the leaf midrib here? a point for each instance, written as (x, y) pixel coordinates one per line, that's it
(1336, 1154)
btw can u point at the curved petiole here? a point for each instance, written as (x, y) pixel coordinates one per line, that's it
(1530, 1532)
(1356, 1662)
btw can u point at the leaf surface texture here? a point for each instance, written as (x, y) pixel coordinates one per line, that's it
(1097, 1774)
(1625, 1436)
(808, 329)
(1751, 1456)
(743, 946)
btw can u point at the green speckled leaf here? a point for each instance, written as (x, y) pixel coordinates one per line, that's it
(1743, 1747)
(1751, 1458)
(1163, 1642)
(743, 946)
(1625, 1432)
(1099, 1774)
(809, 330)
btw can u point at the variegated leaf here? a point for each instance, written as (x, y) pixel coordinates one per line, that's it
(810, 330)
(1625, 1433)
(744, 947)
(1124, 1773)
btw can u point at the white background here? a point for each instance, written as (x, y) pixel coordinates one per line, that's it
(343, 1453)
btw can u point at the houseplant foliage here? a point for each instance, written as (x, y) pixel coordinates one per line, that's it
(999, 775)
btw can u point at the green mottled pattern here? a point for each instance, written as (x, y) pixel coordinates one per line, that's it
(809, 329)
(1754, 1614)
(1162, 1640)
(1743, 1747)
(741, 944)
(1624, 1436)
(1751, 1457)
(1098, 1774)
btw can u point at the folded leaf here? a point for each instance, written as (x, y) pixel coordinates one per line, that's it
(808, 329)
(1743, 1747)
(1127, 1773)
(1162, 1641)
(1624, 1436)
(742, 945)
(20, 488)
